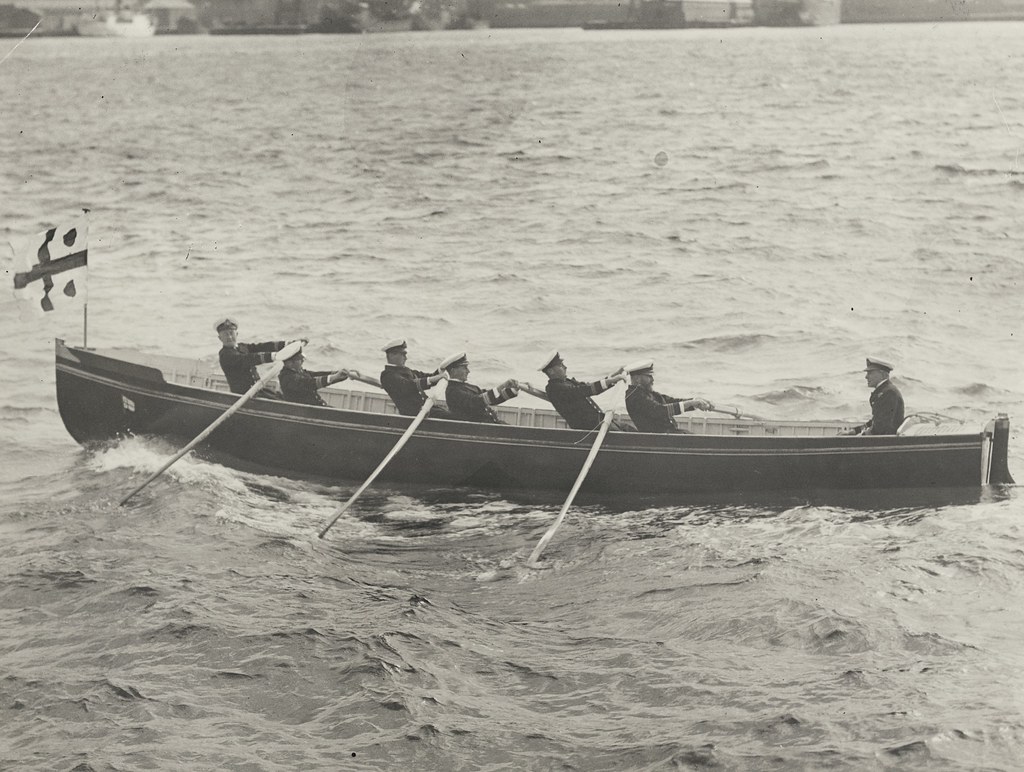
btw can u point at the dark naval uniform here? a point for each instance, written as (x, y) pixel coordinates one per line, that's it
(651, 411)
(467, 402)
(406, 388)
(239, 363)
(302, 385)
(573, 402)
(886, 409)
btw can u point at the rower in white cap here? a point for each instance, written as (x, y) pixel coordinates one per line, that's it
(406, 386)
(573, 399)
(651, 411)
(239, 360)
(471, 403)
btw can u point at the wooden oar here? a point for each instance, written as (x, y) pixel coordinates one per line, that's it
(364, 379)
(607, 422)
(429, 403)
(283, 354)
(533, 391)
(737, 414)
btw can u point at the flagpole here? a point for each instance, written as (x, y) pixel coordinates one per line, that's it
(85, 301)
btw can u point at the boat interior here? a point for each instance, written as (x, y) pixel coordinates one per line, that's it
(206, 374)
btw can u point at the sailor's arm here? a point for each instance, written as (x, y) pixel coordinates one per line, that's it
(501, 393)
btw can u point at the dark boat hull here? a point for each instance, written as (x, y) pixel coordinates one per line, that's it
(102, 397)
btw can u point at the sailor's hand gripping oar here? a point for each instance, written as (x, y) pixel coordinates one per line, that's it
(291, 349)
(369, 380)
(533, 391)
(428, 403)
(606, 423)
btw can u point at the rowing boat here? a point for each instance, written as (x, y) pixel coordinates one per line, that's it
(107, 394)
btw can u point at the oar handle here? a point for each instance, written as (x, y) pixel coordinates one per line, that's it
(288, 351)
(737, 414)
(533, 391)
(370, 381)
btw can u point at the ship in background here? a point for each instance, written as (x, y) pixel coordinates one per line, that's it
(666, 14)
(121, 21)
(797, 13)
(676, 14)
(353, 16)
(235, 17)
(46, 18)
(618, 14)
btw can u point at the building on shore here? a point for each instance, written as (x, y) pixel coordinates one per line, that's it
(667, 14)
(56, 17)
(882, 11)
(617, 14)
(17, 22)
(173, 17)
(64, 17)
(216, 15)
(338, 16)
(797, 13)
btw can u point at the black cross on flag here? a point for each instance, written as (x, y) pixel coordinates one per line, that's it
(50, 269)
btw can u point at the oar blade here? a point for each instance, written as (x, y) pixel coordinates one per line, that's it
(291, 349)
(429, 403)
(606, 423)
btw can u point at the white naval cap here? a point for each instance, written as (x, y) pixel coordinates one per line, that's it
(455, 360)
(642, 367)
(553, 358)
(879, 364)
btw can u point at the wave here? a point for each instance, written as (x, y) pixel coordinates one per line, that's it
(61, 580)
(23, 415)
(720, 186)
(522, 156)
(956, 170)
(731, 343)
(792, 395)
(415, 216)
(983, 390)
(819, 163)
(461, 141)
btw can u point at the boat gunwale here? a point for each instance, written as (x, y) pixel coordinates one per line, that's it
(504, 434)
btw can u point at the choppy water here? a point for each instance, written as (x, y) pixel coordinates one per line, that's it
(756, 209)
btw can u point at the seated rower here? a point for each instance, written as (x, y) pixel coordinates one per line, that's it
(239, 360)
(407, 387)
(651, 411)
(467, 402)
(301, 385)
(886, 401)
(572, 399)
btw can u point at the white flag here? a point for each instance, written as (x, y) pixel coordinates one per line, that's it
(50, 269)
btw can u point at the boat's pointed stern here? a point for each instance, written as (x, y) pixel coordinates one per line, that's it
(998, 431)
(89, 405)
(62, 352)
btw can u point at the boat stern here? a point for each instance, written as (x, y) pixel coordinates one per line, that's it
(995, 469)
(92, 392)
